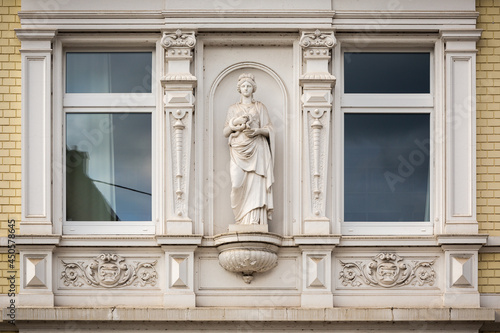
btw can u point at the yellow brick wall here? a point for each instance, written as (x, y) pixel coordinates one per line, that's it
(488, 118)
(10, 127)
(488, 138)
(489, 273)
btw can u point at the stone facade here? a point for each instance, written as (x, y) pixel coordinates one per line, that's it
(189, 268)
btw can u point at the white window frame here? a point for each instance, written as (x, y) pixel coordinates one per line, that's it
(389, 103)
(65, 103)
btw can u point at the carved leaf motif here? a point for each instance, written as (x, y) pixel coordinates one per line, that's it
(109, 271)
(387, 270)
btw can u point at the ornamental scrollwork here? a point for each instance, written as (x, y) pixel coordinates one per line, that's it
(178, 39)
(387, 270)
(317, 39)
(109, 271)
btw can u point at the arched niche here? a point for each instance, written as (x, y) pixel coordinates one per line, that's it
(272, 92)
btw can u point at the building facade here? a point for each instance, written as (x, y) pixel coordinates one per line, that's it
(375, 122)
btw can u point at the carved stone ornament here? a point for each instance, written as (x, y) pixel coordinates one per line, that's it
(248, 259)
(388, 270)
(109, 271)
(178, 39)
(248, 252)
(317, 39)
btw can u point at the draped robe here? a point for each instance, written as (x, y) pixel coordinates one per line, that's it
(251, 166)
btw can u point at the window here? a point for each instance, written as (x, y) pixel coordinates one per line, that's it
(387, 105)
(108, 105)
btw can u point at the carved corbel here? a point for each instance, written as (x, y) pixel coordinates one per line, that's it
(178, 83)
(317, 83)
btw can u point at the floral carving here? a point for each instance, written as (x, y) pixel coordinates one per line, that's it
(317, 39)
(178, 40)
(109, 271)
(388, 270)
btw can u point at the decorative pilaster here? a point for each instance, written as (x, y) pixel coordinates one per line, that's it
(36, 151)
(460, 94)
(178, 84)
(317, 83)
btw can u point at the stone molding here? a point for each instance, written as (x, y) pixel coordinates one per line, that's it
(446, 314)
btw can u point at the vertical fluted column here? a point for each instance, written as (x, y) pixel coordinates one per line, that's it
(317, 83)
(178, 84)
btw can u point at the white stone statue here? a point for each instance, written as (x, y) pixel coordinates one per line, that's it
(251, 145)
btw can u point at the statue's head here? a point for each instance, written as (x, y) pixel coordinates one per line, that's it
(246, 77)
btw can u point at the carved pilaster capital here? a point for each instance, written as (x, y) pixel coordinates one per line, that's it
(317, 39)
(178, 40)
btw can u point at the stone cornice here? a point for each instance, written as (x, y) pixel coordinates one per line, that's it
(114, 314)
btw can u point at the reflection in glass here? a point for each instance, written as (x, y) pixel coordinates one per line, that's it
(386, 73)
(386, 167)
(108, 72)
(108, 167)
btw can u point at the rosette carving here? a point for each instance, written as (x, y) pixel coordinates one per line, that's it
(387, 270)
(109, 271)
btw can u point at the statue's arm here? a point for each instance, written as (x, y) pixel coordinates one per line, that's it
(227, 131)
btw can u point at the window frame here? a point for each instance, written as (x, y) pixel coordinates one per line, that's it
(389, 103)
(105, 103)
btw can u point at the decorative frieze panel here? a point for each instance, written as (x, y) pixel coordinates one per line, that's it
(387, 270)
(109, 271)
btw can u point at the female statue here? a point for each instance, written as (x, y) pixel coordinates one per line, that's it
(251, 145)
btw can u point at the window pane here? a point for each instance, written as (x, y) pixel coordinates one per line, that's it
(386, 73)
(386, 167)
(108, 167)
(108, 72)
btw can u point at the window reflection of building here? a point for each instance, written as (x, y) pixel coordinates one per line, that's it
(87, 203)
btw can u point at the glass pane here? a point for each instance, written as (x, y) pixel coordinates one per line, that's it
(108, 72)
(386, 73)
(386, 167)
(108, 167)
